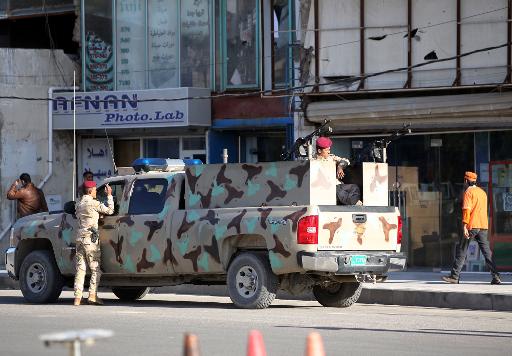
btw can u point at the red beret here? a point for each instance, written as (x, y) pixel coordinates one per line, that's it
(323, 142)
(89, 184)
(470, 176)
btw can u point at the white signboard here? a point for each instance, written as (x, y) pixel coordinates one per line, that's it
(132, 109)
(97, 158)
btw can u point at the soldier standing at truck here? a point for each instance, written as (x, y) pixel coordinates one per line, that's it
(88, 176)
(475, 224)
(347, 194)
(88, 253)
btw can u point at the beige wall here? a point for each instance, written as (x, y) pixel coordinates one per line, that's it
(24, 124)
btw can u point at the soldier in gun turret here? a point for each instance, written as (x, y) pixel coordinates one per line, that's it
(88, 253)
(347, 194)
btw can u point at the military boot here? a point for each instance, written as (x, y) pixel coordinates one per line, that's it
(94, 300)
(78, 301)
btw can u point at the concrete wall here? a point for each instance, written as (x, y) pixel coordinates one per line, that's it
(24, 124)
(483, 24)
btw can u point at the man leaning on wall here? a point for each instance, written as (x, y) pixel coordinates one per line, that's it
(30, 199)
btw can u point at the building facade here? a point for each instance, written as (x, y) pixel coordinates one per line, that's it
(189, 78)
(219, 50)
(445, 68)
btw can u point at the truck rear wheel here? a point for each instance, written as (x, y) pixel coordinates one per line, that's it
(251, 282)
(130, 294)
(40, 278)
(338, 295)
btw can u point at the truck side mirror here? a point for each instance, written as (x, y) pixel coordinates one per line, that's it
(69, 207)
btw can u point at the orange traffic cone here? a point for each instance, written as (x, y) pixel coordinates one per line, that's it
(255, 346)
(314, 345)
(190, 345)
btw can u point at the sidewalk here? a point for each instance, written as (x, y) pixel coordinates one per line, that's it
(402, 288)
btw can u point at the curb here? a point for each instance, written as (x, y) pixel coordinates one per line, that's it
(416, 298)
(438, 299)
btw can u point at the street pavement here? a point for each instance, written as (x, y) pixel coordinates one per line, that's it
(156, 325)
(402, 288)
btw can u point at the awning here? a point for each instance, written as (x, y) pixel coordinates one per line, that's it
(446, 112)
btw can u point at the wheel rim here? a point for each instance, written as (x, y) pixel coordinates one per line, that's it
(246, 281)
(36, 278)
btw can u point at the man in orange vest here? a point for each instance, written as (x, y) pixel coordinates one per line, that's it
(474, 220)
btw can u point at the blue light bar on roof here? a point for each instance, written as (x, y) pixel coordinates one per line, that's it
(162, 164)
(192, 162)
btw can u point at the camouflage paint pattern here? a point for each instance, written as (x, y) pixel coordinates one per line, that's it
(207, 238)
(229, 207)
(263, 184)
(375, 184)
(339, 230)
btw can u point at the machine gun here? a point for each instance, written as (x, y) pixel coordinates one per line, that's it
(306, 143)
(376, 150)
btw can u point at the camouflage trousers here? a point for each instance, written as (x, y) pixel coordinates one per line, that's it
(88, 254)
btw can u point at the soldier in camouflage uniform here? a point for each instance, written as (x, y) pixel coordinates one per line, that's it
(88, 253)
(346, 194)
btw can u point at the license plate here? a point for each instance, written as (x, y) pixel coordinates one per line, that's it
(358, 260)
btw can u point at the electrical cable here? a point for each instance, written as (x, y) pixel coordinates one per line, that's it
(346, 80)
(208, 65)
(52, 44)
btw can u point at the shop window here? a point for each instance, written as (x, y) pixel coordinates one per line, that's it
(130, 44)
(126, 151)
(195, 43)
(163, 43)
(148, 196)
(426, 172)
(281, 40)
(158, 44)
(194, 143)
(241, 43)
(501, 145)
(117, 194)
(162, 147)
(98, 52)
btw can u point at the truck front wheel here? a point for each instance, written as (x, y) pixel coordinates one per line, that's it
(40, 278)
(130, 294)
(251, 282)
(338, 295)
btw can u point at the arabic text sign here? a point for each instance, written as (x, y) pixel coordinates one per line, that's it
(97, 158)
(132, 109)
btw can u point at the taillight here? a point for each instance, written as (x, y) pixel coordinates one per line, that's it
(307, 232)
(399, 231)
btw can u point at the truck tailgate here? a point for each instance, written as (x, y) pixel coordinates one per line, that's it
(356, 228)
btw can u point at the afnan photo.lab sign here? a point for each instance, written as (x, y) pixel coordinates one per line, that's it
(132, 109)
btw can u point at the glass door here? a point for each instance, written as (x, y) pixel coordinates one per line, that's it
(500, 203)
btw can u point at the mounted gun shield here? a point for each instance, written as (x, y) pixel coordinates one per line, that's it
(302, 148)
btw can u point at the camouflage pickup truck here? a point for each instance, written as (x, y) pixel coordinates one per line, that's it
(255, 227)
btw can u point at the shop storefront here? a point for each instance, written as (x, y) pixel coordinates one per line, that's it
(451, 134)
(114, 128)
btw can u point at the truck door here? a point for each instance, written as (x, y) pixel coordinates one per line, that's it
(143, 228)
(111, 246)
